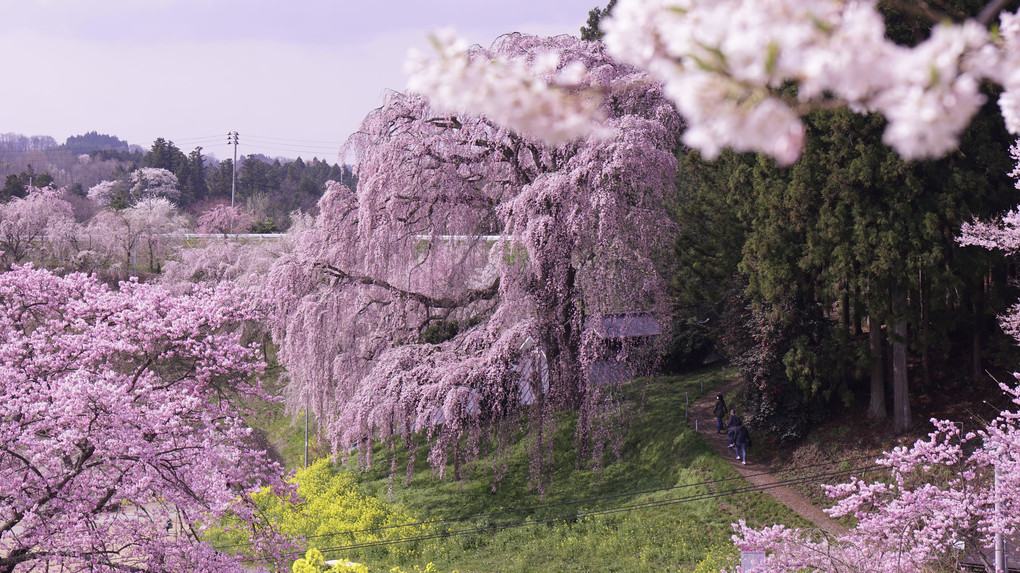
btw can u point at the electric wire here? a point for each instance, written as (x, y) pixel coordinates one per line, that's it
(280, 144)
(269, 138)
(614, 496)
(200, 139)
(607, 511)
(317, 150)
(698, 497)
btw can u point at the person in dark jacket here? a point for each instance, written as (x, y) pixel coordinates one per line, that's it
(719, 412)
(741, 441)
(731, 427)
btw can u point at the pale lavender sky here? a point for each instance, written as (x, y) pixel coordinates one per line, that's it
(292, 77)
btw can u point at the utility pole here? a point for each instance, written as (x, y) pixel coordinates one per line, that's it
(232, 140)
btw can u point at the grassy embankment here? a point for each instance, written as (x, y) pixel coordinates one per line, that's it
(666, 467)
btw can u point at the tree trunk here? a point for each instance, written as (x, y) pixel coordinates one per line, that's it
(922, 331)
(979, 310)
(857, 328)
(901, 395)
(456, 461)
(567, 344)
(845, 308)
(876, 406)
(976, 349)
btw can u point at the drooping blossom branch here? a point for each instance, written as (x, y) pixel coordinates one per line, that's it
(464, 299)
(466, 280)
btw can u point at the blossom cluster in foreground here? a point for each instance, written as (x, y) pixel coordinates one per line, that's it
(120, 429)
(728, 66)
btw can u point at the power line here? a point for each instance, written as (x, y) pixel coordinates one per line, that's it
(284, 147)
(607, 511)
(204, 138)
(268, 138)
(210, 141)
(609, 497)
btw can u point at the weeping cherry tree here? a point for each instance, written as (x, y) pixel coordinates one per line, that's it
(479, 277)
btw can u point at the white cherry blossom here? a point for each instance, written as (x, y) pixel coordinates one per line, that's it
(742, 72)
(536, 96)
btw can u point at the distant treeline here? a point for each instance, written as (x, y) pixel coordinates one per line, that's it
(272, 187)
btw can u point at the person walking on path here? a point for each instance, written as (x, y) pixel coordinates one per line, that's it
(702, 408)
(741, 441)
(732, 426)
(719, 412)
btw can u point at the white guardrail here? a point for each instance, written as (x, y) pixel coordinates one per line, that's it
(490, 238)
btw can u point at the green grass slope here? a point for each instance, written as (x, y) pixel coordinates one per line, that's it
(663, 505)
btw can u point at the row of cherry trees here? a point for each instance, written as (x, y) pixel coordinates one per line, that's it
(125, 226)
(122, 430)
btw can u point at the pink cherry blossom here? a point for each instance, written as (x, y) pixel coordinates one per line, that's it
(119, 430)
(465, 281)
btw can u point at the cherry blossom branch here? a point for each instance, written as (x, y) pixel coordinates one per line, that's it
(919, 8)
(470, 296)
(725, 65)
(990, 11)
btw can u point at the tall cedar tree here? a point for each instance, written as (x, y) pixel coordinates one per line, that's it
(854, 235)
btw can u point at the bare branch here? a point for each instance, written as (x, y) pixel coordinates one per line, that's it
(990, 11)
(468, 297)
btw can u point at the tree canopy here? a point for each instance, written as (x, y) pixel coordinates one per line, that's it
(473, 274)
(120, 431)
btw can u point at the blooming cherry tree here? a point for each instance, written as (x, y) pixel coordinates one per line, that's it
(241, 263)
(119, 430)
(148, 183)
(104, 192)
(938, 506)
(468, 278)
(224, 218)
(144, 184)
(160, 227)
(152, 226)
(743, 73)
(26, 224)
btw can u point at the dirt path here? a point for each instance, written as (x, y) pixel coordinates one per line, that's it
(756, 471)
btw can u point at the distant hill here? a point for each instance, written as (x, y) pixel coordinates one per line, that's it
(94, 141)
